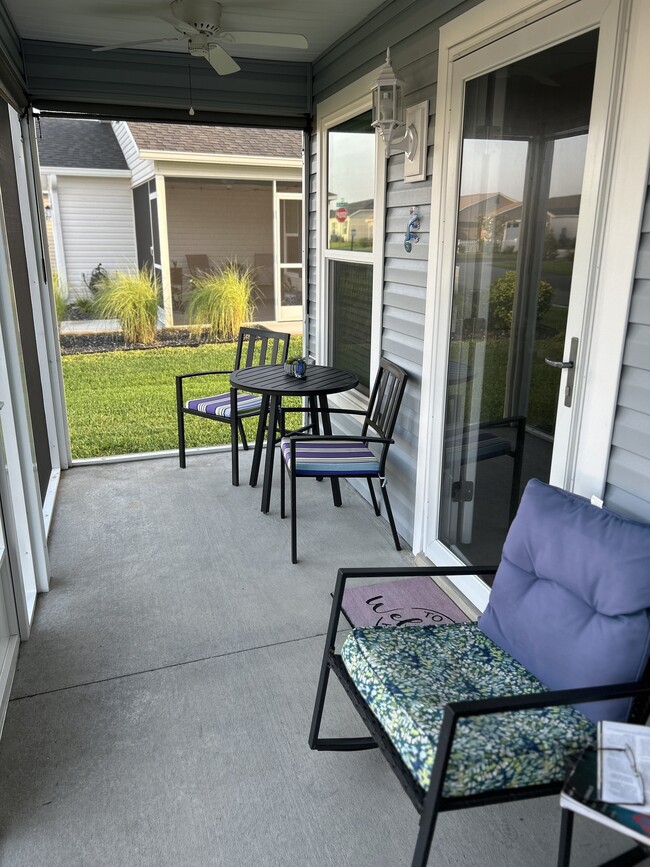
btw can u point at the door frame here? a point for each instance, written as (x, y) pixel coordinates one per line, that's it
(612, 208)
(291, 313)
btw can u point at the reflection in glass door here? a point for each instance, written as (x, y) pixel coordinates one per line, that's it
(525, 130)
(288, 281)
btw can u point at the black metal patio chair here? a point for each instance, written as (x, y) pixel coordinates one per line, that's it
(334, 456)
(255, 346)
(470, 714)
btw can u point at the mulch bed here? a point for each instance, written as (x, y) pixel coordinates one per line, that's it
(109, 341)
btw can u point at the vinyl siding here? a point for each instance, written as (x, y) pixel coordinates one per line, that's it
(97, 224)
(141, 170)
(153, 85)
(628, 476)
(411, 30)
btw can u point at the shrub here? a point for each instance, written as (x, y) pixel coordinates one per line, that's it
(131, 297)
(502, 296)
(222, 301)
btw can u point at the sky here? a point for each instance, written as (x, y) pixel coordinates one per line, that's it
(496, 166)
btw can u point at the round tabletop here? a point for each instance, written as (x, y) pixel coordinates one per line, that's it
(272, 380)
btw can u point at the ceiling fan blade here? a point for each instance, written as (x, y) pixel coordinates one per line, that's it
(140, 42)
(220, 60)
(254, 37)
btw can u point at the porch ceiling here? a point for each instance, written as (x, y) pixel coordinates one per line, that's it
(88, 22)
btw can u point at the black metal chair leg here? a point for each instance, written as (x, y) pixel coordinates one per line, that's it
(294, 521)
(283, 485)
(566, 832)
(259, 441)
(391, 520)
(373, 497)
(234, 445)
(242, 434)
(181, 423)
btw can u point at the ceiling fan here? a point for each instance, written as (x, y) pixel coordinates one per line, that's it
(199, 22)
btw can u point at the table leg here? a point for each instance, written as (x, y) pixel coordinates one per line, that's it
(259, 441)
(270, 451)
(327, 430)
(566, 832)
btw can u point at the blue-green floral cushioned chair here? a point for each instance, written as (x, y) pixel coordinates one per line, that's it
(484, 712)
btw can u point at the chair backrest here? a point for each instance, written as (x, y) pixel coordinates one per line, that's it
(385, 399)
(571, 597)
(258, 347)
(198, 263)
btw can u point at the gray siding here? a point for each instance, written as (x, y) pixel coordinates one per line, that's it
(12, 74)
(411, 29)
(145, 85)
(628, 476)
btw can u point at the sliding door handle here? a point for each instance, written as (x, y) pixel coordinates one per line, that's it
(570, 366)
(562, 364)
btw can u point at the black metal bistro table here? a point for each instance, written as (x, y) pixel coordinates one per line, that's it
(273, 384)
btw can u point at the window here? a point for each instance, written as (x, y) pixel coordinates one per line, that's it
(350, 244)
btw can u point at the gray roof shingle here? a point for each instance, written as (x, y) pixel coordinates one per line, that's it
(229, 140)
(82, 144)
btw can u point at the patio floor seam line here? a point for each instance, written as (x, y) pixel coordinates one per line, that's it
(166, 667)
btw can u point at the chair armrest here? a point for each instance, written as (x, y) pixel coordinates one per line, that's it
(319, 411)
(334, 437)
(202, 373)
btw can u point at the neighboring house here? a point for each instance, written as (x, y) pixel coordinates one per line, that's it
(89, 206)
(152, 195)
(548, 95)
(218, 194)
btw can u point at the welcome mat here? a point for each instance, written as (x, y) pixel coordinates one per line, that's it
(408, 602)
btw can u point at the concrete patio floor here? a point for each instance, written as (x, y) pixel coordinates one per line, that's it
(160, 710)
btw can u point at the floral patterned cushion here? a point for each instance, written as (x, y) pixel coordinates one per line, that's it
(407, 674)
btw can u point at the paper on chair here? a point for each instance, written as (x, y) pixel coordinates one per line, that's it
(624, 764)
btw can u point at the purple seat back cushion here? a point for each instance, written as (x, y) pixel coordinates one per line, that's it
(571, 597)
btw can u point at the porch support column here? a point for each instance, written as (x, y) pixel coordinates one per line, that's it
(161, 194)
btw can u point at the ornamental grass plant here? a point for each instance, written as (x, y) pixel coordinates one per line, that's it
(222, 301)
(132, 298)
(60, 292)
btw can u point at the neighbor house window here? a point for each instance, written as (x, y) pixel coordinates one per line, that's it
(350, 242)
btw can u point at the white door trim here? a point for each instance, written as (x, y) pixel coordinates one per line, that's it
(458, 42)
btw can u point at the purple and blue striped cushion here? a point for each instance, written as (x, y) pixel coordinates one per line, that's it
(333, 458)
(219, 405)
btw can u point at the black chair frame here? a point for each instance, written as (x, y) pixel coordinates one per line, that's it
(505, 448)
(254, 346)
(430, 803)
(380, 417)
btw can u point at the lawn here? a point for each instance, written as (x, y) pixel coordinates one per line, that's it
(125, 402)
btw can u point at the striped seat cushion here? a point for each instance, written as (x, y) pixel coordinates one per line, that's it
(219, 405)
(333, 458)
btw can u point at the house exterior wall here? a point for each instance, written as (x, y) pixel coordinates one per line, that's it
(628, 475)
(141, 170)
(97, 224)
(412, 31)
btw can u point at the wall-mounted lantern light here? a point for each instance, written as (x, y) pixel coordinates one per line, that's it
(399, 134)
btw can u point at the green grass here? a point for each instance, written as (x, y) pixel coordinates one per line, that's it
(125, 402)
